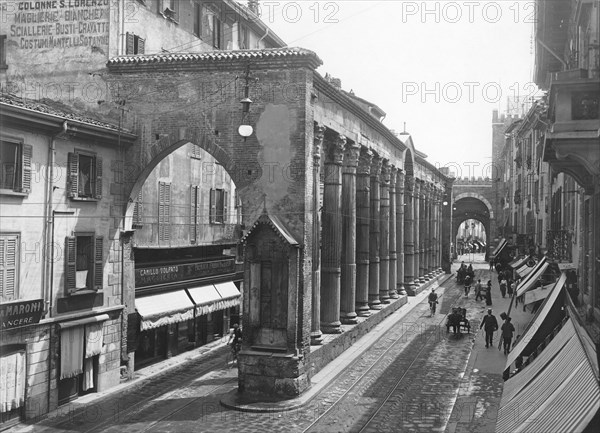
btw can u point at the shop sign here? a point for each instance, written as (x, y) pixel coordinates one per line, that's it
(182, 272)
(21, 313)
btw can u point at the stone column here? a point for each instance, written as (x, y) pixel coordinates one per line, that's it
(332, 235)
(400, 232)
(315, 329)
(427, 234)
(384, 246)
(392, 224)
(348, 288)
(374, 235)
(363, 211)
(409, 236)
(422, 233)
(416, 229)
(436, 226)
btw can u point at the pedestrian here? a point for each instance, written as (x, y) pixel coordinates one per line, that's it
(468, 279)
(507, 334)
(478, 291)
(509, 287)
(488, 294)
(491, 264)
(490, 325)
(503, 284)
(500, 276)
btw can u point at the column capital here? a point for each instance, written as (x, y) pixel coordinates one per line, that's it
(351, 155)
(319, 135)
(410, 184)
(417, 184)
(334, 149)
(393, 176)
(385, 171)
(376, 164)
(400, 181)
(365, 160)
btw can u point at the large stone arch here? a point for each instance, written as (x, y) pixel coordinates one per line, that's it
(479, 197)
(472, 205)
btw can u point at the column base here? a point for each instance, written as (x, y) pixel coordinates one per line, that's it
(394, 294)
(384, 297)
(400, 290)
(349, 318)
(331, 328)
(421, 280)
(363, 310)
(316, 338)
(411, 288)
(375, 304)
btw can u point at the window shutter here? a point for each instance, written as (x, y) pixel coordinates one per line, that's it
(70, 263)
(8, 267)
(141, 46)
(197, 18)
(138, 209)
(73, 175)
(193, 200)
(161, 210)
(98, 262)
(213, 206)
(26, 158)
(225, 207)
(129, 43)
(167, 211)
(98, 194)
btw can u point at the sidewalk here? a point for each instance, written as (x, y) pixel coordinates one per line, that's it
(479, 394)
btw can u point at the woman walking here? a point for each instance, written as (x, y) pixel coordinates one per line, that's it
(488, 293)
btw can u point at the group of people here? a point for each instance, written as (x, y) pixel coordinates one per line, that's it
(490, 325)
(507, 285)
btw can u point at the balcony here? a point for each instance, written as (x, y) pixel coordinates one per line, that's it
(571, 144)
(559, 245)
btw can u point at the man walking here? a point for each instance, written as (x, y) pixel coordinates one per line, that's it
(478, 290)
(507, 334)
(490, 325)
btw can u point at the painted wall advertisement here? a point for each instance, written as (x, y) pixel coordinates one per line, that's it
(49, 24)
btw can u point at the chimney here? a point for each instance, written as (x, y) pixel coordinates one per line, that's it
(337, 83)
(253, 6)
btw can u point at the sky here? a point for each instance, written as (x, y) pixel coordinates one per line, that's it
(440, 67)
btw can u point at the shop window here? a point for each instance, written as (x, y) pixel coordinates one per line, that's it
(15, 166)
(164, 211)
(3, 64)
(84, 177)
(84, 262)
(9, 267)
(218, 206)
(134, 44)
(14, 375)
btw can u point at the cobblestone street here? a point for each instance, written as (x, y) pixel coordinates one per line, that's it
(408, 380)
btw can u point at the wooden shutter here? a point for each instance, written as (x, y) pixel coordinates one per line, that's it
(197, 18)
(213, 206)
(70, 263)
(98, 262)
(73, 175)
(129, 43)
(26, 158)
(138, 209)
(98, 186)
(8, 266)
(225, 207)
(193, 213)
(164, 211)
(141, 46)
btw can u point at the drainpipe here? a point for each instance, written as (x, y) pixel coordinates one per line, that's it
(260, 40)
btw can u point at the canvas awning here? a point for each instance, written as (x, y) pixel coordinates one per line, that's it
(536, 323)
(537, 294)
(518, 262)
(524, 270)
(499, 248)
(164, 308)
(558, 391)
(215, 297)
(528, 282)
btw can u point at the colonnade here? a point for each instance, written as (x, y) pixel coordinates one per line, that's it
(377, 237)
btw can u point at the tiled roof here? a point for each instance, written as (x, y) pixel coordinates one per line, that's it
(216, 56)
(53, 108)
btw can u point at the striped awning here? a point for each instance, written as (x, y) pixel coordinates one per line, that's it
(537, 321)
(558, 391)
(499, 247)
(215, 297)
(518, 262)
(524, 270)
(528, 282)
(538, 294)
(164, 308)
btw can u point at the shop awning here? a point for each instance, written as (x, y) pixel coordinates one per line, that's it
(537, 321)
(518, 262)
(558, 391)
(499, 248)
(524, 270)
(164, 308)
(528, 282)
(217, 297)
(537, 294)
